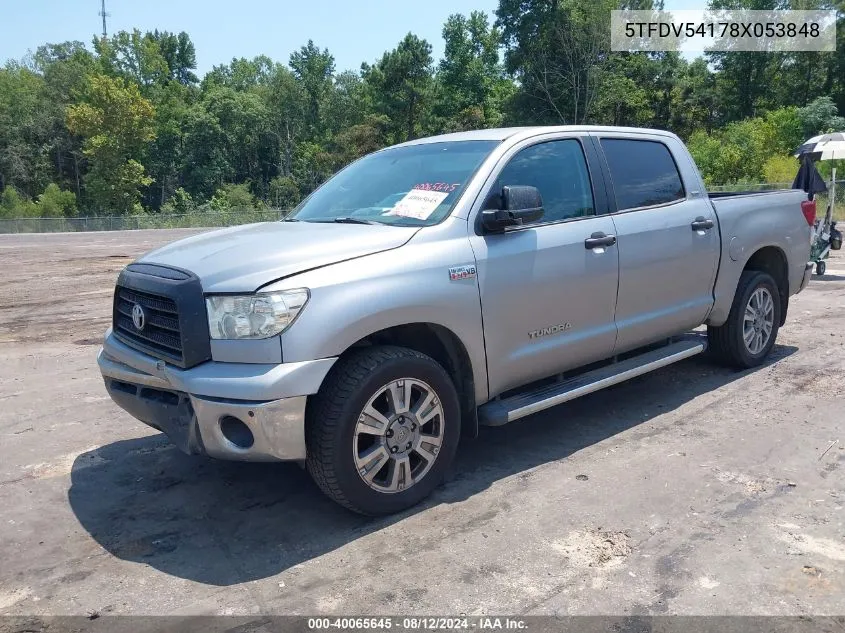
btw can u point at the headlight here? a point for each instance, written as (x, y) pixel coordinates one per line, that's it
(259, 315)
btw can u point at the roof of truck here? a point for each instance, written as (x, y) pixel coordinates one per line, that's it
(502, 133)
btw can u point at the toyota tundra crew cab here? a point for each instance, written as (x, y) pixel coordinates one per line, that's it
(441, 284)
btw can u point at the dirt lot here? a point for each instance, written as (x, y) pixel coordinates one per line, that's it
(693, 490)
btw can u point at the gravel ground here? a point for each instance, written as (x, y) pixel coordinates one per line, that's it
(692, 490)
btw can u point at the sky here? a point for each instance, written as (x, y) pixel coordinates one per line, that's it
(354, 31)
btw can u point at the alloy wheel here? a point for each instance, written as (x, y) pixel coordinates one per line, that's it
(758, 321)
(398, 435)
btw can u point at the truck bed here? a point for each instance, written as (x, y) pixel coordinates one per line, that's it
(750, 221)
(737, 194)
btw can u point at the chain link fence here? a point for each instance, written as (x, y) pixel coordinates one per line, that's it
(246, 216)
(822, 199)
(135, 222)
(757, 186)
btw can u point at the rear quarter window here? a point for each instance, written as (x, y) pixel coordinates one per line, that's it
(644, 173)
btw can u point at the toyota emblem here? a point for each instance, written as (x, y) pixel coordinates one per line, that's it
(139, 319)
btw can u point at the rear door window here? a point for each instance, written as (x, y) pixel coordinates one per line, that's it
(644, 173)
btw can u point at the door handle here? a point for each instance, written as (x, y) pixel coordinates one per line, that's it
(599, 239)
(701, 224)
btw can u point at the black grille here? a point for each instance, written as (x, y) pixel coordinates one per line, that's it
(175, 324)
(161, 324)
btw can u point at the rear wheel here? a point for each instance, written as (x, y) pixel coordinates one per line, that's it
(383, 430)
(749, 334)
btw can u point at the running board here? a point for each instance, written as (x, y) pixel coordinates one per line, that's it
(499, 412)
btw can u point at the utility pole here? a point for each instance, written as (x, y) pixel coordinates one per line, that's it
(105, 15)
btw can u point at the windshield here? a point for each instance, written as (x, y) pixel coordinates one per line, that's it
(415, 185)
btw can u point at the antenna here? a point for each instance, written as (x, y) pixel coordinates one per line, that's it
(105, 15)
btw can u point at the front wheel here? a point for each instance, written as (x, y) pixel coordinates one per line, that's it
(749, 334)
(820, 268)
(383, 430)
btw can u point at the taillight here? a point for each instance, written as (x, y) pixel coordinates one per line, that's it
(808, 208)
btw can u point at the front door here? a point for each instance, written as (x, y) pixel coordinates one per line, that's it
(548, 296)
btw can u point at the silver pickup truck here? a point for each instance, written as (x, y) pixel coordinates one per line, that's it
(446, 283)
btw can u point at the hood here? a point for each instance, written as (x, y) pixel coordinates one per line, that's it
(244, 258)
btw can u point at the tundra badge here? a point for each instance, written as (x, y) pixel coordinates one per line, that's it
(553, 329)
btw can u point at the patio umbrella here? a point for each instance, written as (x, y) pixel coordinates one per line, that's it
(823, 147)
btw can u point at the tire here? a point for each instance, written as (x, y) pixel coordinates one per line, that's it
(339, 435)
(820, 268)
(727, 342)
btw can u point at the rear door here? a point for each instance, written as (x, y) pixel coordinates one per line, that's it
(547, 294)
(667, 235)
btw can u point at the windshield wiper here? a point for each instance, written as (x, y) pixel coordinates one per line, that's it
(349, 220)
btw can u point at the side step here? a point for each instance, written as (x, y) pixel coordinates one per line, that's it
(499, 412)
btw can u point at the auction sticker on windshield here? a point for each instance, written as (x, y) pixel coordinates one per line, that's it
(418, 204)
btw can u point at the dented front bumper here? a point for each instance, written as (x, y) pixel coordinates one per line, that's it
(235, 411)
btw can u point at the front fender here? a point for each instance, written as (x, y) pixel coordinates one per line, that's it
(352, 300)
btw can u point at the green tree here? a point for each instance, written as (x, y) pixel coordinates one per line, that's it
(312, 165)
(346, 104)
(241, 74)
(129, 119)
(695, 99)
(780, 169)
(227, 139)
(623, 95)
(556, 51)
(364, 138)
(56, 203)
(180, 203)
(746, 78)
(284, 192)
(165, 154)
(287, 106)
(820, 117)
(179, 54)
(470, 76)
(314, 69)
(400, 85)
(743, 151)
(65, 68)
(116, 123)
(133, 56)
(14, 205)
(205, 164)
(25, 131)
(833, 84)
(232, 196)
(719, 163)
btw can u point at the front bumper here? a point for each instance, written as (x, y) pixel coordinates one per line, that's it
(236, 411)
(808, 272)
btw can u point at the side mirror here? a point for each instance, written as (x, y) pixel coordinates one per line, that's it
(517, 205)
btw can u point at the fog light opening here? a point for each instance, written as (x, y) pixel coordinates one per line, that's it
(236, 432)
